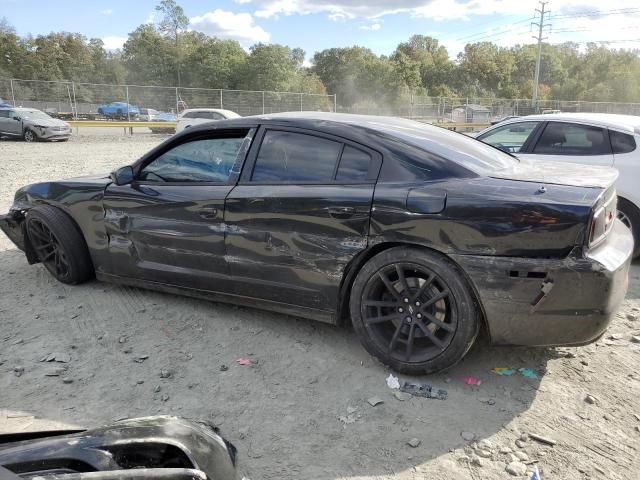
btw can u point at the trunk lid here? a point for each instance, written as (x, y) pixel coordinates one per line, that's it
(559, 173)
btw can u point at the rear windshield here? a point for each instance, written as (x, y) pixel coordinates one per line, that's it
(472, 154)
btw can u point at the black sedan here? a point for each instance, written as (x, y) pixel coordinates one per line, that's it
(418, 235)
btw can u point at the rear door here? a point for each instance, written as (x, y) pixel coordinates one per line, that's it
(571, 142)
(168, 225)
(299, 214)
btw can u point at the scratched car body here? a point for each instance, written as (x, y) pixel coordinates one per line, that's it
(418, 235)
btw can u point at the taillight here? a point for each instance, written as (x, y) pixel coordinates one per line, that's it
(602, 221)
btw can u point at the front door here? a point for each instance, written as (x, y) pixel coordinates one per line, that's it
(168, 225)
(298, 216)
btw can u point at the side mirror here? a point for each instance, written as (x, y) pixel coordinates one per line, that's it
(122, 176)
(16, 118)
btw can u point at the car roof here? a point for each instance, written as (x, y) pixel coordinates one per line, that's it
(216, 110)
(626, 123)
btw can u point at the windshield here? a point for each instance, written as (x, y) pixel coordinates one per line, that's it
(33, 114)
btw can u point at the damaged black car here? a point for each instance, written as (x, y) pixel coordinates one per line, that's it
(418, 236)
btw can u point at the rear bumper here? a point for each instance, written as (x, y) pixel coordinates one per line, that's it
(539, 302)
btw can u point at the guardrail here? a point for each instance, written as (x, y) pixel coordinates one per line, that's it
(107, 124)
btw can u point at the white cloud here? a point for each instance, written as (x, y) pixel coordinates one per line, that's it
(433, 9)
(373, 27)
(106, 11)
(113, 42)
(224, 24)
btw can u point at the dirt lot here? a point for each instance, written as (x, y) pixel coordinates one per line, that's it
(301, 410)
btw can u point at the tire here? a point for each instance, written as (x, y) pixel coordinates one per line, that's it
(29, 136)
(439, 301)
(629, 214)
(59, 244)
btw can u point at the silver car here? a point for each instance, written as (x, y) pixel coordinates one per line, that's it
(32, 125)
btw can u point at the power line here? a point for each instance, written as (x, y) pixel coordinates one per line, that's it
(541, 26)
(526, 20)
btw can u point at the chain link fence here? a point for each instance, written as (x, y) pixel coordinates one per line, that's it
(484, 110)
(83, 100)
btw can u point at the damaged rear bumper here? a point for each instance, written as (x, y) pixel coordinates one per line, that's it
(540, 302)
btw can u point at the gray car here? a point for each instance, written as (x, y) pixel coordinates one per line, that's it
(32, 125)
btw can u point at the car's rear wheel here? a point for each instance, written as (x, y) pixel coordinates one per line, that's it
(413, 310)
(59, 244)
(629, 214)
(30, 136)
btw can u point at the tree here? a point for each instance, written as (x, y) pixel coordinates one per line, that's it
(171, 25)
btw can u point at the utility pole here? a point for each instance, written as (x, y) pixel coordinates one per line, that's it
(541, 25)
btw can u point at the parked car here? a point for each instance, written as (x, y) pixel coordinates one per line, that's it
(161, 448)
(503, 119)
(588, 138)
(419, 235)
(197, 116)
(151, 115)
(4, 104)
(32, 125)
(119, 111)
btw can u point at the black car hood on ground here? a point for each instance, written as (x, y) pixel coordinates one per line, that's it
(161, 447)
(559, 173)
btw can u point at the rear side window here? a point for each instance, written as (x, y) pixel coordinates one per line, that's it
(354, 165)
(4, 113)
(571, 139)
(189, 115)
(622, 142)
(295, 157)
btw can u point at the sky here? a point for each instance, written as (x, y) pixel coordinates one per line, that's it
(315, 25)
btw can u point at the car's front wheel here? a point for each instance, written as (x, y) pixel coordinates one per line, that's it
(30, 136)
(629, 214)
(59, 245)
(413, 310)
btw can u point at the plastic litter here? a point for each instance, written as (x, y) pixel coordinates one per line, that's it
(536, 475)
(374, 401)
(507, 372)
(244, 361)
(472, 381)
(392, 382)
(424, 390)
(527, 372)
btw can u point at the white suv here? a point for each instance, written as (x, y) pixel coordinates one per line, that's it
(196, 116)
(588, 138)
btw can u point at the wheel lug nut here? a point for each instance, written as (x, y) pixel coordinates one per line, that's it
(417, 304)
(419, 315)
(400, 309)
(406, 300)
(408, 319)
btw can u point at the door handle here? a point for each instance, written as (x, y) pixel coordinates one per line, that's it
(208, 213)
(342, 212)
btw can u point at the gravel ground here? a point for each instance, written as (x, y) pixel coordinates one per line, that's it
(301, 410)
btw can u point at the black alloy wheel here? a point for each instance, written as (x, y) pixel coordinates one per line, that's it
(408, 311)
(413, 309)
(49, 249)
(59, 244)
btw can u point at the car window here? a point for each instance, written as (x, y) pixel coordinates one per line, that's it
(208, 160)
(295, 157)
(572, 139)
(354, 165)
(509, 138)
(189, 115)
(622, 142)
(4, 113)
(216, 116)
